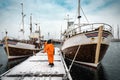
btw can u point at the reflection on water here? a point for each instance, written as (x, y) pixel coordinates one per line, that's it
(3, 60)
(82, 73)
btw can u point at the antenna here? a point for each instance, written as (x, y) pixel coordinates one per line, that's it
(68, 21)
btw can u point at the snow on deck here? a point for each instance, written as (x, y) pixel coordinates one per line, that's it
(37, 68)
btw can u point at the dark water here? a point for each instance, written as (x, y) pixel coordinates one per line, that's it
(109, 68)
(3, 60)
(5, 64)
(111, 62)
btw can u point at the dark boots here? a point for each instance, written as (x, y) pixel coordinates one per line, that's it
(51, 64)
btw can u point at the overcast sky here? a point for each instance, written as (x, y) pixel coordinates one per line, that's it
(50, 14)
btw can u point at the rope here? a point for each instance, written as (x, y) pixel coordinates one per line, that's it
(84, 14)
(74, 58)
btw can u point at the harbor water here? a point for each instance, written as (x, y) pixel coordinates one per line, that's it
(5, 64)
(108, 70)
(111, 66)
(3, 60)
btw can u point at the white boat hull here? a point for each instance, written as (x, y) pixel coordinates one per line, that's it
(88, 43)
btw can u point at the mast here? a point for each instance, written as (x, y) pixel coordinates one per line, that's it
(48, 35)
(23, 15)
(68, 19)
(61, 33)
(30, 23)
(38, 31)
(79, 15)
(39, 34)
(118, 31)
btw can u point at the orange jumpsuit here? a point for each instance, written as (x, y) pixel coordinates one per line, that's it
(50, 52)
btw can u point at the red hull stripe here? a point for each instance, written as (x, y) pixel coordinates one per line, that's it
(11, 42)
(95, 34)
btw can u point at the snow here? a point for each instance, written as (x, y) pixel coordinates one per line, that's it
(23, 46)
(36, 68)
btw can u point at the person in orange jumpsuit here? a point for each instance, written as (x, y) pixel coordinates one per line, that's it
(49, 48)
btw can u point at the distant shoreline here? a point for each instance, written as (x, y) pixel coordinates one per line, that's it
(115, 40)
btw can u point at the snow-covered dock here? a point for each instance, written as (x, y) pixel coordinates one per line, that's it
(36, 68)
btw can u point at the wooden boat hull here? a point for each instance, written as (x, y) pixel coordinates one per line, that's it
(14, 51)
(86, 53)
(20, 50)
(88, 44)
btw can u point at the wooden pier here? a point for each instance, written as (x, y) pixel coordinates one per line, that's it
(36, 68)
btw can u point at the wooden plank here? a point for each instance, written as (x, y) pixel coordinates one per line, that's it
(98, 44)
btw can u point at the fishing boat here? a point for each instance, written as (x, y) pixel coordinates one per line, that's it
(86, 44)
(16, 48)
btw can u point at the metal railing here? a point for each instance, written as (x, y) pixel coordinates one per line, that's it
(87, 27)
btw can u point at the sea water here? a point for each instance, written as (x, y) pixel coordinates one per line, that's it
(3, 60)
(109, 68)
(111, 62)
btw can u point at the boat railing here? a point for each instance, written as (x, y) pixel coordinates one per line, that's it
(87, 27)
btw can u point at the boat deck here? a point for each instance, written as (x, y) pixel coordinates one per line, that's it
(36, 68)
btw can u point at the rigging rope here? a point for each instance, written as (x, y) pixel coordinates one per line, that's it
(84, 15)
(74, 58)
